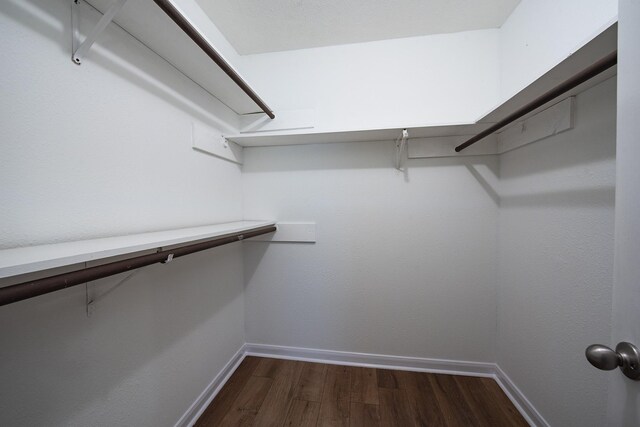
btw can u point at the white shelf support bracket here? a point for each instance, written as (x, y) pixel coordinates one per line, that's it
(80, 49)
(401, 143)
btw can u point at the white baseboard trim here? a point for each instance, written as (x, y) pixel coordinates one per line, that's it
(528, 411)
(454, 367)
(196, 409)
(418, 364)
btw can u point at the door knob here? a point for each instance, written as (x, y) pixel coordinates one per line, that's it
(626, 356)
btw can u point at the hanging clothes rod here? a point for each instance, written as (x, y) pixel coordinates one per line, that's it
(190, 30)
(586, 74)
(34, 288)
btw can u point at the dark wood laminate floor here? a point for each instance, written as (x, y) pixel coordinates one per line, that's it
(273, 392)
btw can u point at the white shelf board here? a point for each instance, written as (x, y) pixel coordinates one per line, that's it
(594, 50)
(145, 21)
(599, 47)
(43, 257)
(293, 137)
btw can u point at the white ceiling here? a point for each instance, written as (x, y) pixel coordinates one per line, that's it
(258, 26)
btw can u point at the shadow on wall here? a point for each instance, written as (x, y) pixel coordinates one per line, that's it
(580, 197)
(364, 155)
(485, 182)
(57, 363)
(379, 155)
(569, 169)
(560, 170)
(573, 197)
(252, 253)
(52, 19)
(568, 197)
(341, 155)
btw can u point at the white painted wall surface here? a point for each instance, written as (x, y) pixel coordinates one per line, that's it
(555, 262)
(97, 150)
(439, 79)
(402, 265)
(103, 148)
(151, 346)
(539, 34)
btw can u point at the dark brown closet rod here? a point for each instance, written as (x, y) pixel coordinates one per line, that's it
(586, 74)
(189, 30)
(26, 290)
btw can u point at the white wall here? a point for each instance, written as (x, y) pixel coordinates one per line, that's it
(439, 79)
(105, 149)
(539, 34)
(151, 346)
(555, 259)
(401, 266)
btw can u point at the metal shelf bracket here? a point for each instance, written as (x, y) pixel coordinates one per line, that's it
(80, 49)
(401, 143)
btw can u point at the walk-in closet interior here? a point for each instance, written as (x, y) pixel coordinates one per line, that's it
(319, 213)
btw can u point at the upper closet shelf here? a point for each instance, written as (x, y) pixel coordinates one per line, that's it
(30, 259)
(602, 46)
(364, 135)
(178, 31)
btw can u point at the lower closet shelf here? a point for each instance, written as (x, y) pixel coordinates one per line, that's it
(30, 259)
(160, 247)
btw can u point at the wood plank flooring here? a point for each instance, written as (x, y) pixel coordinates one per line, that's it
(273, 392)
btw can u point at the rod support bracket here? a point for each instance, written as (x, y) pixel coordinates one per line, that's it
(401, 143)
(80, 49)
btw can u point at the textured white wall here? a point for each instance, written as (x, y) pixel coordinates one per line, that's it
(151, 346)
(392, 83)
(105, 149)
(401, 266)
(539, 34)
(555, 262)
